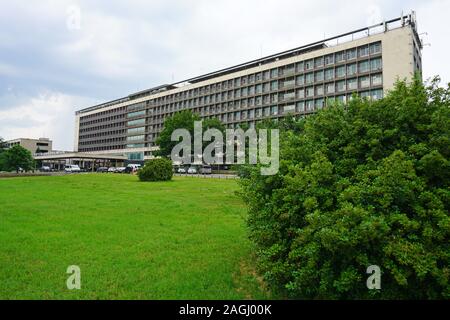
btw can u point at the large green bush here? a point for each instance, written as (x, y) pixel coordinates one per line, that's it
(156, 170)
(359, 185)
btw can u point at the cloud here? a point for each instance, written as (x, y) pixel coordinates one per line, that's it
(50, 114)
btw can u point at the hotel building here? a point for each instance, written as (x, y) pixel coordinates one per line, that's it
(300, 81)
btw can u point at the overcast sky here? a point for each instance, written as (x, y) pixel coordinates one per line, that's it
(59, 56)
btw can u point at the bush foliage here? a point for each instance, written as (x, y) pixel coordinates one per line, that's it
(362, 184)
(156, 170)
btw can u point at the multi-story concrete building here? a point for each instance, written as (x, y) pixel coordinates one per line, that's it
(300, 81)
(41, 145)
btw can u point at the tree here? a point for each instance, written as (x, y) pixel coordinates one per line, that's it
(360, 184)
(2, 158)
(17, 157)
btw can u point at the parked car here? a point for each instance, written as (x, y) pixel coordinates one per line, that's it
(120, 170)
(205, 169)
(192, 170)
(102, 169)
(72, 168)
(112, 169)
(45, 169)
(182, 170)
(132, 168)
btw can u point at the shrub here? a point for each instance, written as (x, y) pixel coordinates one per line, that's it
(156, 170)
(359, 185)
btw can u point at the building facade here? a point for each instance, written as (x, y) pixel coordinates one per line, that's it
(41, 145)
(300, 81)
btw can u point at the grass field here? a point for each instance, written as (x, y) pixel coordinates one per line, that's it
(183, 239)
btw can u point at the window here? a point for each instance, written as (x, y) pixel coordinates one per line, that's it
(377, 80)
(375, 64)
(364, 94)
(352, 84)
(259, 89)
(364, 82)
(340, 56)
(329, 74)
(136, 130)
(377, 94)
(301, 94)
(136, 114)
(301, 106)
(310, 91)
(351, 69)
(330, 87)
(351, 54)
(266, 87)
(274, 110)
(364, 66)
(136, 106)
(319, 76)
(340, 71)
(251, 114)
(342, 98)
(274, 85)
(136, 122)
(136, 156)
(300, 80)
(329, 59)
(289, 70)
(319, 103)
(309, 64)
(300, 66)
(136, 138)
(309, 78)
(266, 75)
(274, 73)
(309, 105)
(251, 90)
(375, 48)
(318, 62)
(319, 90)
(364, 51)
(135, 145)
(267, 111)
(289, 109)
(340, 86)
(289, 95)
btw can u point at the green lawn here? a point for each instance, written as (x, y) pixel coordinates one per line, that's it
(183, 239)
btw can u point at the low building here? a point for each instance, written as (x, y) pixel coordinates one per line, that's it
(41, 145)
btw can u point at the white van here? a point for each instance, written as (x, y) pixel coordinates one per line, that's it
(72, 168)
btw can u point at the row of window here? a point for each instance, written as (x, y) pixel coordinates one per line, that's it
(311, 91)
(303, 80)
(349, 55)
